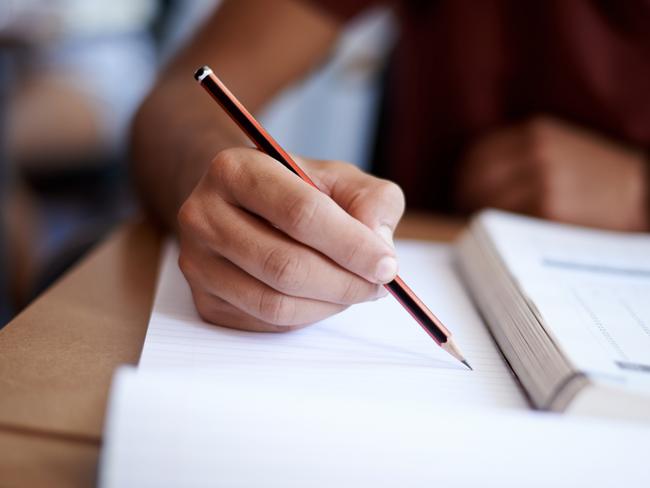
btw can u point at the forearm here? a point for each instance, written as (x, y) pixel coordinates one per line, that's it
(257, 47)
(176, 133)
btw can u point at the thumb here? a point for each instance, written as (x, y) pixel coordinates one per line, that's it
(377, 203)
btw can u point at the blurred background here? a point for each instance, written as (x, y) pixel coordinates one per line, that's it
(72, 74)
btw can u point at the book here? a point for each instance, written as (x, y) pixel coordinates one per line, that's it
(569, 308)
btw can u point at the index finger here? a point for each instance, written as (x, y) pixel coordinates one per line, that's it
(263, 186)
(376, 202)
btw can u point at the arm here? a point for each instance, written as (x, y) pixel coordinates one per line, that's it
(555, 170)
(258, 48)
(260, 249)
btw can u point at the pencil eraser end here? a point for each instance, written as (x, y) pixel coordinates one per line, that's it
(201, 73)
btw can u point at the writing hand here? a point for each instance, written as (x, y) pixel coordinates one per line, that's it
(262, 250)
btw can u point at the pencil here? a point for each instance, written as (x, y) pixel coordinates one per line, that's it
(265, 143)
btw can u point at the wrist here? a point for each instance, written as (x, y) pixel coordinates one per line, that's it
(192, 163)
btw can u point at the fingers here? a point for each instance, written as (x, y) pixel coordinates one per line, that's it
(273, 258)
(514, 197)
(221, 279)
(486, 177)
(509, 186)
(219, 312)
(264, 251)
(259, 184)
(376, 202)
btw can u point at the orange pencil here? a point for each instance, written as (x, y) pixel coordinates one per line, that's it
(265, 143)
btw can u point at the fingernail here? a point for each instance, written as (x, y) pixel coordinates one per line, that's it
(386, 269)
(386, 233)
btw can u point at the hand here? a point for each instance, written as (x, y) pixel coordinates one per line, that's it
(263, 250)
(557, 171)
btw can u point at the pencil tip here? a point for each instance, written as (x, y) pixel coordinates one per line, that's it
(452, 349)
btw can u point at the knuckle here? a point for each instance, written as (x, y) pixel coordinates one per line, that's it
(276, 308)
(351, 291)
(285, 270)
(354, 251)
(184, 264)
(392, 193)
(226, 168)
(195, 224)
(301, 213)
(205, 308)
(205, 312)
(188, 215)
(343, 167)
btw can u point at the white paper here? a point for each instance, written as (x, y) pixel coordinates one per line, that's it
(362, 399)
(169, 429)
(374, 350)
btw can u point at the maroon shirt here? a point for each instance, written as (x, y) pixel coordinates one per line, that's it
(464, 67)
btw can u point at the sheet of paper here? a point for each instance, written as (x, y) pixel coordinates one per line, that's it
(168, 429)
(373, 350)
(591, 289)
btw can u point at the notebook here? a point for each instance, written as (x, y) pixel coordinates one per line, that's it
(368, 350)
(559, 318)
(366, 398)
(168, 428)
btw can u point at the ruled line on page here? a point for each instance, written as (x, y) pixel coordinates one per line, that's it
(375, 346)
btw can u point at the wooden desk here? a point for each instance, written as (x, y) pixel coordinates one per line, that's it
(57, 357)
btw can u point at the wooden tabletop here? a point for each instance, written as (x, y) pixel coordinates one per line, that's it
(57, 357)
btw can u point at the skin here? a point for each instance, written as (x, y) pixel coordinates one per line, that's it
(35, 134)
(262, 250)
(555, 170)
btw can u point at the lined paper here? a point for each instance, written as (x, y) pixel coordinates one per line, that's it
(373, 350)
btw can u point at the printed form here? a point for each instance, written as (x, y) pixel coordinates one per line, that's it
(591, 290)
